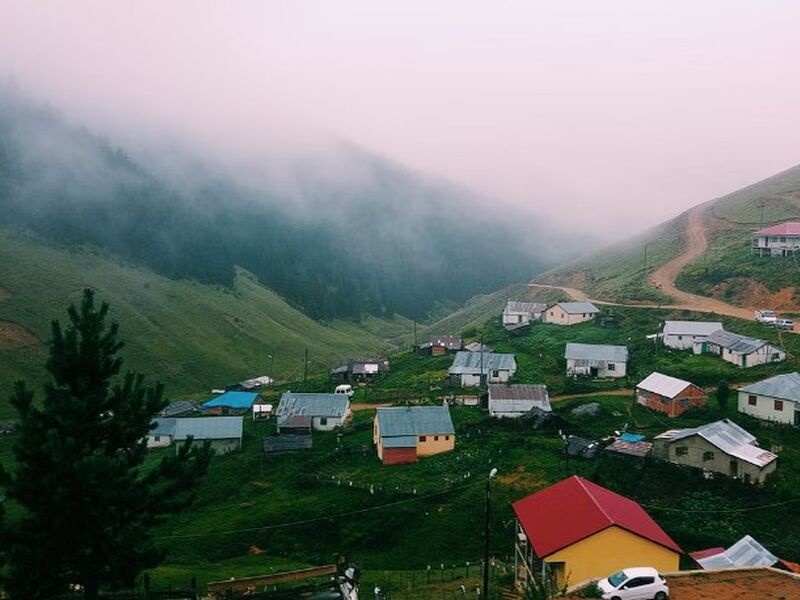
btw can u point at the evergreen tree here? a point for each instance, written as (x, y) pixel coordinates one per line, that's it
(87, 499)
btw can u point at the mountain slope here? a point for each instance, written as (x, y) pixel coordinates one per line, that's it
(192, 336)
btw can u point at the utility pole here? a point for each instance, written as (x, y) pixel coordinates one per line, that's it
(480, 378)
(644, 263)
(485, 594)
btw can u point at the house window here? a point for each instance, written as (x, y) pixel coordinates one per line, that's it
(495, 373)
(158, 438)
(684, 402)
(680, 337)
(447, 438)
(779, 405)
(776, 357)
(708, 456)
(681, 451)
(423, 438)
(323, 421)
(436, 438)
(752, 400)
(612, 367)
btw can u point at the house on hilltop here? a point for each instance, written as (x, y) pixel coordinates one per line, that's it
(774, 399)
(402, 434)
(570, 313)
(517, 314)
(743, 351)
(669, 395)
(577, 530)
(596, 360)
(778, 240)
(298, 412)
(683, 335)
(516, 400)
(470, 369)
(719, 447)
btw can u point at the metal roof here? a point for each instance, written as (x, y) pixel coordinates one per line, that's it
(578, 307)
(518, 397)
(518, 306)
(400, 441)
(470, 363)
(783, 387)
(256, 382)
(639, 449)
(691, 327)
(208, 428)
(179, 407)
(663, 385)
(163, 427)
(238, 400)
(729, 438)
(788, 228)
(747, 552)
(575, 509)
(402, 421)
(451, 342)
(476, 347)
(596, 352)
(294, 404)
(738, 344)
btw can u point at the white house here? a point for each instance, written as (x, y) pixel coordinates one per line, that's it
(596, 360)
(304, 412)
(570, 313)
(470, 369)
(517, 399)
(778, 240)
(682, 335)
(161, 435)
(518, 313)
(773, 399)
(743, 351)
(224, 434)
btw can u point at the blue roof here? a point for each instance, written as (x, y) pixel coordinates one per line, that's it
(233, 400)
(403, 421)
(631, 437)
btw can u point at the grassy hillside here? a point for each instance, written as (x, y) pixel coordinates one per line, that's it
(191, 336)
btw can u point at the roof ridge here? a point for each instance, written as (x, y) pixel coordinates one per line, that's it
(581, 481)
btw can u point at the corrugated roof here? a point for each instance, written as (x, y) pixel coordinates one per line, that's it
(179, 407)
(401, 421)
(729, 438)
(596, 352)
(518, 397)
(400, 441)
(237, 400)
(208, 428)
(295, 404)
(518, 306)
(574, 509)
(578, 307)
(784, 387)
(255, 382)
(476, 347)
(451, 342)
(470, 362)
(691, 327)
(788, 228)
(163, 426)
(639, 449)
(747, 552)
(663, 385)
(738, 344)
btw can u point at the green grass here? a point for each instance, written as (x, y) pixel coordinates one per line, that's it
(778, 193)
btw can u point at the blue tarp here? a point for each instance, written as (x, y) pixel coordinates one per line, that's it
(239, 400)
(631, 437)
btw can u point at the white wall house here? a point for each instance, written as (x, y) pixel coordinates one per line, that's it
(511, 401)
(743, 351)
(321, 412)
(518, 313)
(570, 313)
(778, 240)
(685, 335)
(470, 369)
(161, 435)
(773, 399)
(596, 360)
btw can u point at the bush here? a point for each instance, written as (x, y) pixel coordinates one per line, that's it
(723, 394)
(591, 591)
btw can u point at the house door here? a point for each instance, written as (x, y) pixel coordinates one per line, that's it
(593, 371)
(734, 468)
(797, 418)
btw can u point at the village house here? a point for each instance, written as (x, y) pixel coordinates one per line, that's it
(741, 350)
(438, 345)
(231, 402)
(719, 447)
(669, 395)
(516, 400)
(778, 240)
(299, 412)
(223, 433)
(576, 530)
(773, 399)
(518, 314)
(596, 360)
(685, 335)
(402, 434)
(471, 369)
(571, 313)
(477, 347)
(360, 370)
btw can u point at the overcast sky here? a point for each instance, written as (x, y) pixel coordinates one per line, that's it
(608, 115)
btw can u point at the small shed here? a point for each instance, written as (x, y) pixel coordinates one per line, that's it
(669, 395)
(636, 450)
(511, 401)
(596, 360)
(301, 412)
(571, 313)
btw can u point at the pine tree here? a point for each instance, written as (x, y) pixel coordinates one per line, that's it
(87, 499)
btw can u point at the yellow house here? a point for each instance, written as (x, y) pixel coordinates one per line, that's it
(575, 531)
(404, 433)
(570, 313)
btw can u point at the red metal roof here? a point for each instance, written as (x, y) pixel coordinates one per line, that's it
(701, 554)
(574, 509)
(788, 228)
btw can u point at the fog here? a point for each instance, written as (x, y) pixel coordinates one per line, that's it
(605, 117)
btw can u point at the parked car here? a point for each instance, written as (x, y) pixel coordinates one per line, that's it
(767, 317)
(635, 583)
(344, 389)
(784, 324)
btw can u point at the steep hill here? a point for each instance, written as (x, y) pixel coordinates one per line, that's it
(708, 254)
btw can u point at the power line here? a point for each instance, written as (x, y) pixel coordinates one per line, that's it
(314, 520)
(722, 510)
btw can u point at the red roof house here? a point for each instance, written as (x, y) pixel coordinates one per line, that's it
(582, 531)
(788, 228)
(779, 240)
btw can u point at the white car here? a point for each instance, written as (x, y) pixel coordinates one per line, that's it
(635, 583)
(767, 317)
(344, 389)
(784, 324)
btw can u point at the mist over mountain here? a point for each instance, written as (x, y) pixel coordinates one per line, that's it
(337, 236)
